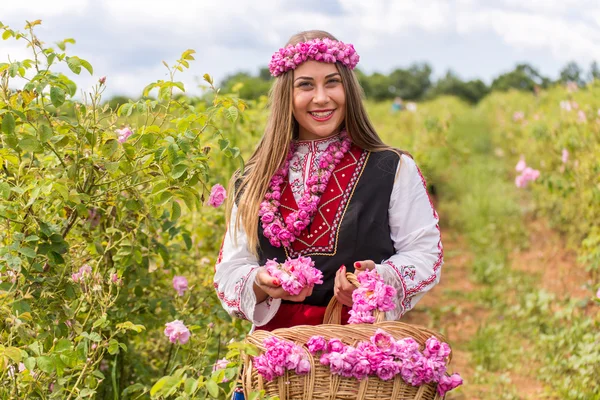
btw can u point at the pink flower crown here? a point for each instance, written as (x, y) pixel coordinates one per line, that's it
(323, 50)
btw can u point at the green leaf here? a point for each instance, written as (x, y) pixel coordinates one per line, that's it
(190, 386)
(57, 96)
(113, 347)
(28, 251)
(7, 33)
(232, 113)
(164, 198)
(128, 325)
(178, 171)
(223, 144)
(45, 133)
(30, 363)
(14, 353)
(175, 211)
(159, 385)
(62, 345)
(8, 123)
(188, 240)
(36, 348)
(136, 387)
(213, 388)
(110, 147)
(4, 190)
(30, 144)
(46, 364)
(87, 66)
(74, 64)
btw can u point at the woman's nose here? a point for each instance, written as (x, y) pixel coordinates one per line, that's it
(321, 95)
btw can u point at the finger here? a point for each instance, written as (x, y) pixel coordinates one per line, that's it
(365, 265)
(265, 279)
(336, 282)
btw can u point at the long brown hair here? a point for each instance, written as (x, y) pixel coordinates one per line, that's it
(281, 128)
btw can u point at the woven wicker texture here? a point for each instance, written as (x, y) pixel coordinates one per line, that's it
(320, 383)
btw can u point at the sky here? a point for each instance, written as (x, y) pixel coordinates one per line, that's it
(127, 40)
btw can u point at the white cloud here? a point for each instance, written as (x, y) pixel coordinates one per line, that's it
(565, 39)
(127, 39)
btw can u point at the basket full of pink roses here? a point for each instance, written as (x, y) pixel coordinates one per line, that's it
(367, 359)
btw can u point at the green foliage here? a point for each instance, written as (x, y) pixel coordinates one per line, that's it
(99, 209)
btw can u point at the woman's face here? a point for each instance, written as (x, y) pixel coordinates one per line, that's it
(319, 100)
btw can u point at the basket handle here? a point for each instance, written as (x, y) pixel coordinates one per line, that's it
(333, 313)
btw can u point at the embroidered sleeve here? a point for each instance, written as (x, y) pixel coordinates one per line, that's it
(414, 227)
(235, 272)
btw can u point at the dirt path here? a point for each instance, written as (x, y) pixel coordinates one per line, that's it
(450, 309)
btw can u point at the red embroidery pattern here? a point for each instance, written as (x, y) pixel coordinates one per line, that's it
(440, 258)
(321, 237)
(239, 286)
(404, 299)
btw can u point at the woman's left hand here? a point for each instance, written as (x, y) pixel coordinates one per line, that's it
(342, 288)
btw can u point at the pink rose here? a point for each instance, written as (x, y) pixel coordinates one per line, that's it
(177, 332)
(387, 369)
(448, 383)
(384, 341)
(565, 156)
(217, 195)
(336, 345)
(303, 367)
(316, 343)
(123, 134)
(180, 284)
(220, 364)
(267, 217)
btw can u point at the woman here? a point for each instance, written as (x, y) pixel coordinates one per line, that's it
(322, 184)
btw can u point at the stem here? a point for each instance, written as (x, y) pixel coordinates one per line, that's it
(168, 360)
(114, 378)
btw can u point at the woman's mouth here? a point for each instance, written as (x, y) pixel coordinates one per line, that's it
(321, 115)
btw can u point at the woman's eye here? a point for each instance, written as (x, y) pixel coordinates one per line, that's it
(333, 81)
(301, 84)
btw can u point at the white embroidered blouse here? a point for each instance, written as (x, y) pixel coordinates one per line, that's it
(414, 228)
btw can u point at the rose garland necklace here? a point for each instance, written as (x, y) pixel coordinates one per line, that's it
(284, 233)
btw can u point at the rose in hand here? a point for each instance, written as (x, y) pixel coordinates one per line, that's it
(292, 280)
(342, 288)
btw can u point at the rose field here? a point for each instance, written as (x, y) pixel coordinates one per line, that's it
(111, 220)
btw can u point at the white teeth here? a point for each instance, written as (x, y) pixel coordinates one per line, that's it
(322, 114)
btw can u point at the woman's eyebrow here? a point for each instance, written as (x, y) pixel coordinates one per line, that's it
(311, 79)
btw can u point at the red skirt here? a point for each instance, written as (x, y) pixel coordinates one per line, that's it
(292, 314)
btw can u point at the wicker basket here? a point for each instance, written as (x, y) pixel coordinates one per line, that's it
(320, 383)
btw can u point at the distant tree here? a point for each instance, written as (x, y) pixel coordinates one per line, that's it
(247, 86)
(523, 77)
(572, 72)
(265, 74)
(363, 80)
(451, 84)
(379, 87)
(594, 72)
(116, 101)
(411, 83)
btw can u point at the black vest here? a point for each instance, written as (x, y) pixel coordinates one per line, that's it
(351, 224)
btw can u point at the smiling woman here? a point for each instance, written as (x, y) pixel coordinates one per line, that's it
(322, 184)
(319, 100)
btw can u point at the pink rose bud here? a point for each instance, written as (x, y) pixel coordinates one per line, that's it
(102, 80)
(180, 284)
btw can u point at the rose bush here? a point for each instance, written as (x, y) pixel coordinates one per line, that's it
(106, 246)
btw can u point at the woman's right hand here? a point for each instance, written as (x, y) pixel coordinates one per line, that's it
(267, 286)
